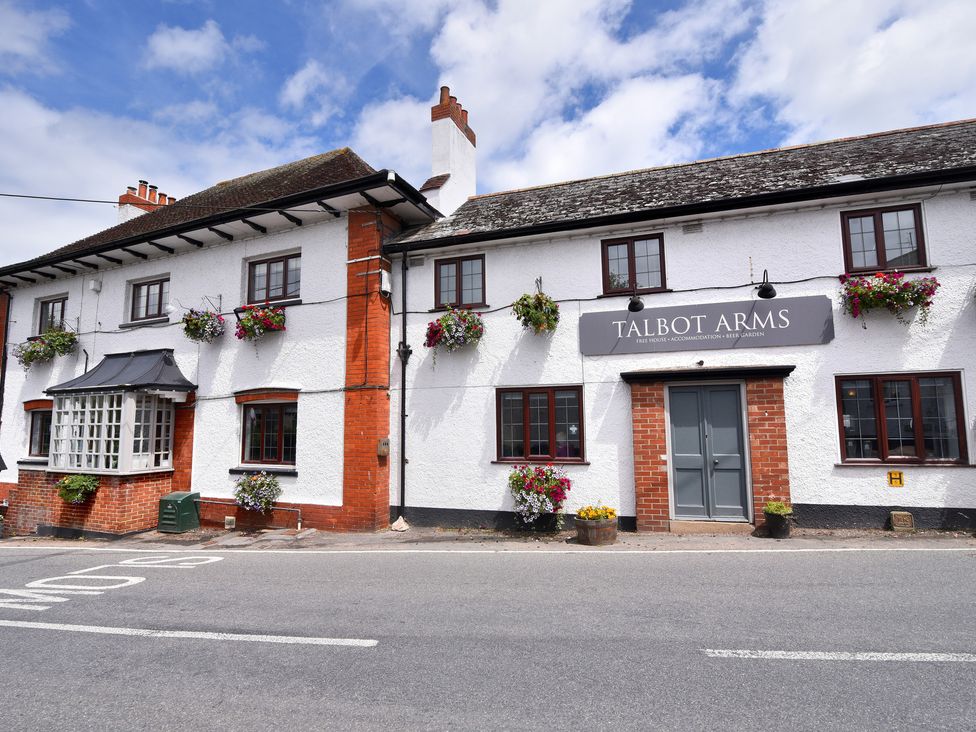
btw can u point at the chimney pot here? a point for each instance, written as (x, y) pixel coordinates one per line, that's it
(152, 194)
(142, 188)
(445, 94)
(131, 189)
(453, 101)
(464, 116)
(162, 199)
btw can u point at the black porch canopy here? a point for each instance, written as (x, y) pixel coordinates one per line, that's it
(154, 370)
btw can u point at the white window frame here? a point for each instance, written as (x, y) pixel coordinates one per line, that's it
(97, 432)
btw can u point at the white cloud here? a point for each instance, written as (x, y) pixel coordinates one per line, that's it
(248, 44)
(643, 122)
(839, 68)
(195, 112)
(314, 84)
(79, 153)
(189, 51)
(396, 135)
(24, 36)
(543, 78)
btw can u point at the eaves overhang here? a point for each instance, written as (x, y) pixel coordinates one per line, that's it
(384, 189)
(874, 185)
(707, 373)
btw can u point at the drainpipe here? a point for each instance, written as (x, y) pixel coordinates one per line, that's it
(403, 351)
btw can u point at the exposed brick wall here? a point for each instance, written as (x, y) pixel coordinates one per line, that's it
(366, 476)
(5, 489)
(650, 443)
(123, 503)
(183, 443)
(766, 427)
(766, 410)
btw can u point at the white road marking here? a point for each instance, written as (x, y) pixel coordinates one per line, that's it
(841, 656)
(192, 634)
(593, 551)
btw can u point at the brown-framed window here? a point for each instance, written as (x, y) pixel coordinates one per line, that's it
(634, 264)
(540, 423)
(40, 433)
(901, 418)
(270, 432)
(460, 282)
(274, 279)
(149, 299)
(883, 239)
(52, 315)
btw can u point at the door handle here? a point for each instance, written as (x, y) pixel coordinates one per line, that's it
(715, 461)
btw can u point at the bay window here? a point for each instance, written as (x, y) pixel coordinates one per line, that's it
(111, 432)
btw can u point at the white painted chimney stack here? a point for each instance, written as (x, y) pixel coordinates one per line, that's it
(453, 177)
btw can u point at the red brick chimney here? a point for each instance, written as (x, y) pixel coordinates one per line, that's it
(134, 202)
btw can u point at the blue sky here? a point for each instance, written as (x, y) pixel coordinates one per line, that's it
(98, 94)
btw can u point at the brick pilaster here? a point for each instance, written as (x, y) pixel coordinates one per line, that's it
(183, 443)
(366, 476)
(766, 409)
(650, 443)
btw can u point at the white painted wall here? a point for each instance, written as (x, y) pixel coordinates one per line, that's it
(451, 405)
(452, 153)
(309, 355)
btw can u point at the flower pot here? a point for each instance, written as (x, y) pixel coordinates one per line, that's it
(778, 525)
(596, 533)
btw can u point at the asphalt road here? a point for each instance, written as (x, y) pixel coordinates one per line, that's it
(490, 640)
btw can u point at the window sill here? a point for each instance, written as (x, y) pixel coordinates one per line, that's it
(37, 461)
(141, 323)
(271, 304)
(110, 473)
(904, 270)
(553, 461)
(631, 293)
(889, 466)
(269, 469)
(444, 308)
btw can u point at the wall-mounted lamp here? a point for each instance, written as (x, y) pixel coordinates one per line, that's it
(636, 304)
(766, 290)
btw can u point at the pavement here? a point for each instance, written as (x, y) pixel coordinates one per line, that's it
(426, 538)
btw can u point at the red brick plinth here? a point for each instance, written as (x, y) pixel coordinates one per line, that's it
(122, 504)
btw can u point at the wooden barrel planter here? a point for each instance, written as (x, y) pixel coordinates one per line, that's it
(778, 525)
(596, 533)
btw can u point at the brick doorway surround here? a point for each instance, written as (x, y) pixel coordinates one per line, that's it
(765, 431)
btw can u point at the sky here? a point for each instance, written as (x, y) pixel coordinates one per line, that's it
(97, 94)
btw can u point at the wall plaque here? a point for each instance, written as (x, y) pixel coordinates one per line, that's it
(788, 321)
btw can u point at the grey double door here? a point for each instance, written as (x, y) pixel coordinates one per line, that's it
(708, 474)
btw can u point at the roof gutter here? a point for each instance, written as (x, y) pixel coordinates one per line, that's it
(380, 178)
(728, 204)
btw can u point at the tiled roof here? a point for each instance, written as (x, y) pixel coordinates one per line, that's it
(721, 183)
(253, 189)
(435, 181)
